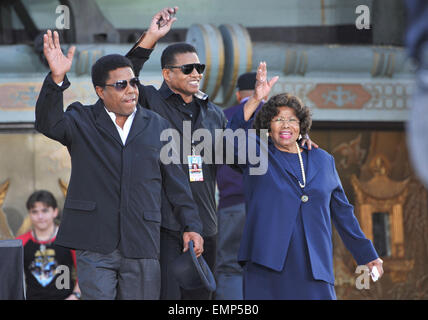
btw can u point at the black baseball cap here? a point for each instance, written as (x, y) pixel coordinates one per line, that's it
(246, 81)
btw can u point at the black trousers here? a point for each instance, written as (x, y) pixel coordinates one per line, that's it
(171, 246)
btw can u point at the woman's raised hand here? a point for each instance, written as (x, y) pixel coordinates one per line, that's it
(263, 86)
(261, 90)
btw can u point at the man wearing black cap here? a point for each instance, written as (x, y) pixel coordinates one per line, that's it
(231, 210)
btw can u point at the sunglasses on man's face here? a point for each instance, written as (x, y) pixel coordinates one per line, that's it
(122, 84)
(188, 68)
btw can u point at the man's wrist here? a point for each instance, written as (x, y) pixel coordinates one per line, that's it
(144, 42)
(77, 295)
(58, 78)
(148, 40)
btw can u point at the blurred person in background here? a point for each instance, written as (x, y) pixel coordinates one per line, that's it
(42, 256)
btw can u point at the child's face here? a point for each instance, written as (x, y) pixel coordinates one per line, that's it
(42, 217)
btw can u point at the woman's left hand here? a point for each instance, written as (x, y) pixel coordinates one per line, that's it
(378, 263)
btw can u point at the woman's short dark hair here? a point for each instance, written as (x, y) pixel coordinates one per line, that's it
(43, 196)
(271, 108)
(102, 67)
(169, 53)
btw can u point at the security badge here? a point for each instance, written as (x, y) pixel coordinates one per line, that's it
(194, 162)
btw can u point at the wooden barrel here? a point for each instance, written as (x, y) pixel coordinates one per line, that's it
(207, 40)
(238, 58)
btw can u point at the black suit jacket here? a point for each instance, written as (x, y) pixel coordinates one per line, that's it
(114, 194)
(211, 117)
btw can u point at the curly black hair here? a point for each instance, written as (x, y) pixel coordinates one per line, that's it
(270, 110)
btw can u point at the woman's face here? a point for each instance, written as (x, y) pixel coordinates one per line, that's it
(285, 129)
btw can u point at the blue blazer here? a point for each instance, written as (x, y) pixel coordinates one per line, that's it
(273, 201)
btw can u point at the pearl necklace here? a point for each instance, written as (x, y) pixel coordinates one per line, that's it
(301, 168)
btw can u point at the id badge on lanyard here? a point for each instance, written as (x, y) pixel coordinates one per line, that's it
(195, 166)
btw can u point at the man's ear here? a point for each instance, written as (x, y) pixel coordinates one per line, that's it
(165, 74)
(100, 92)
(238, 96)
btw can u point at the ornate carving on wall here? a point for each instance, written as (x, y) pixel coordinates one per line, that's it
(339, 96)
(5, 232)
(63, 186)
(351, 152)
(60, 158)
(342, 100)
(25, 226)
(370, 95)
(389, 96)
(383, 195)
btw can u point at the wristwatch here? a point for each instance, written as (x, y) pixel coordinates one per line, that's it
(77, 294)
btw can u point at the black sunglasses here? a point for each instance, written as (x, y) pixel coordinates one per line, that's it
(122, 84)
(188, 68)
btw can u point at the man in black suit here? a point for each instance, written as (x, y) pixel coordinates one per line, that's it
(180, 101)
(112, 211)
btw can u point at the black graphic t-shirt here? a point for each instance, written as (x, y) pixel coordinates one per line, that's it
(41, 260)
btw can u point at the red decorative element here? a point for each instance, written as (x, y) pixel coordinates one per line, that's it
(339, 96)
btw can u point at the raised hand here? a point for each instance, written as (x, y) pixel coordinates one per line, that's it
(159, 26)
(261, 90)
(58, 62)
(162, 26)
(263, 87)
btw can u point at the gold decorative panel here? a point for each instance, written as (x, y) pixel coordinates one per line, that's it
(381, 194)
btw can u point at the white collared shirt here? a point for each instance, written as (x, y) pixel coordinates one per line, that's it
(244, 99)
(123, 133)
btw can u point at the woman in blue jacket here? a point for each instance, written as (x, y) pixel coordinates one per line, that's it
(287, 241)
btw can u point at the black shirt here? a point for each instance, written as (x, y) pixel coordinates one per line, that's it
(189, 111)
(184, 111)
(203, 191)
(203, 114)
(41, 259)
